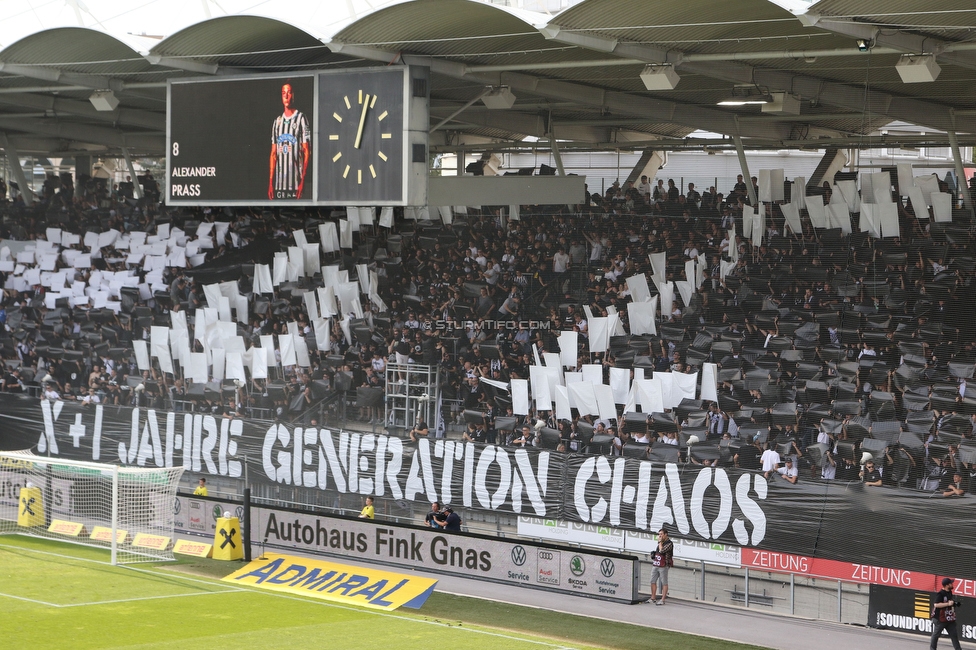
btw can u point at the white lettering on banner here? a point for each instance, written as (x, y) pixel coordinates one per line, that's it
(601, 467)
(615, 492)
(881, 575)
(750, 509)
(782, 561)
(97, 434)
(488, 455)
(149, 444)
(662, 514)
(702, 482)
(47, 435)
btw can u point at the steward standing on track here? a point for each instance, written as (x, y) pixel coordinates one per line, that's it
(943, 615)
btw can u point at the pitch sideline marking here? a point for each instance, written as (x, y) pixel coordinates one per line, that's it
(130, 600)
(212, 583)
(556, 646)
(314, 601)
(30, 600)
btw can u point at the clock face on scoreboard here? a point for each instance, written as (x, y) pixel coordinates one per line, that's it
(362, 135)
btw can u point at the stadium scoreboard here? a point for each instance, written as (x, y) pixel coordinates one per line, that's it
(347, 137)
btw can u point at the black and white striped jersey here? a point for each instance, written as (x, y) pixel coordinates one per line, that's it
(287, 136)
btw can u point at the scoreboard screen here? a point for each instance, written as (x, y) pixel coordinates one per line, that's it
(338, 137)
(241, 141)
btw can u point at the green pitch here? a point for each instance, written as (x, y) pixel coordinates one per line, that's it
(65, 596)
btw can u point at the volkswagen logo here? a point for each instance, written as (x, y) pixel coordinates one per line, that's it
(239, 513)
(177, 506)
(577, 566)
(606, 567)
(518, 556)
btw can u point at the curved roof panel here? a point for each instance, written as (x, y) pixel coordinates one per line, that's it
(76, 49)
(695, 25)
(253, 42)
(584, 75)
(457, 28)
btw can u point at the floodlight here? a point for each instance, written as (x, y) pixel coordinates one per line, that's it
(746, 95)
(660, 77)
(499, 98)
(914, 68)
(104, 100)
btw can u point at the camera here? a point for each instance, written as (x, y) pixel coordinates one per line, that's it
(957, 603)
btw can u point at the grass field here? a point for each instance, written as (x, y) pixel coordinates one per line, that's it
(57, 595)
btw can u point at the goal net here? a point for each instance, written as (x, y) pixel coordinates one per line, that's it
(127, 510)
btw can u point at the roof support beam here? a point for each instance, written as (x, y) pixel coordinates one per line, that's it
(178, 63)
(84, 133)
(524, 124)
(621, 103)
(961, 175)
(13, 159)
(460, 110)
(121, 116)
(54, 75)
(908, 109)
(901, 41)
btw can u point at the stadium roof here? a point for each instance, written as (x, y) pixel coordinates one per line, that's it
(575, 73)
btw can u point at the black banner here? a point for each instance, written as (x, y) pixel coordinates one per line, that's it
(907, 610)
(880, 527)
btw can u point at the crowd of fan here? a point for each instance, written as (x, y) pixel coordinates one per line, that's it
(840, 356)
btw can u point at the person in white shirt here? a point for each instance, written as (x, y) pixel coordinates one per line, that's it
(789, 471)
(644, 187)
(597, 247)
(50, 393)
(770, 461)
(829, 470)
(560, 261)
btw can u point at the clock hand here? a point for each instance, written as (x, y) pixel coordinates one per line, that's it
(362, 121)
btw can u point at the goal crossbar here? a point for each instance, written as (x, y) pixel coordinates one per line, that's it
(126, 510)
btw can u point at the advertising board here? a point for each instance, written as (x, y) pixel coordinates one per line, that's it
(609, 576)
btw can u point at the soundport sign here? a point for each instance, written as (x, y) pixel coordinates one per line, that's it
(610, 576)
(908, 610)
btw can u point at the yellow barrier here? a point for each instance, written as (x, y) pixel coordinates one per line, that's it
(30, 511)
(227, 543)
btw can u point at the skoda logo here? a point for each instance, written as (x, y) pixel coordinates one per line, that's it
(518, 556)
(606, 567)
(217, 512)
(177, 506)
(577, 566)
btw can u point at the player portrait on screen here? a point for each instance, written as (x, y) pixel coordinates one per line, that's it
(291, 140)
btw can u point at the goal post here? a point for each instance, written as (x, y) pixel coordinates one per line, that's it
(125, 510)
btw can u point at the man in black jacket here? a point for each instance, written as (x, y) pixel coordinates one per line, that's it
(944, 615)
